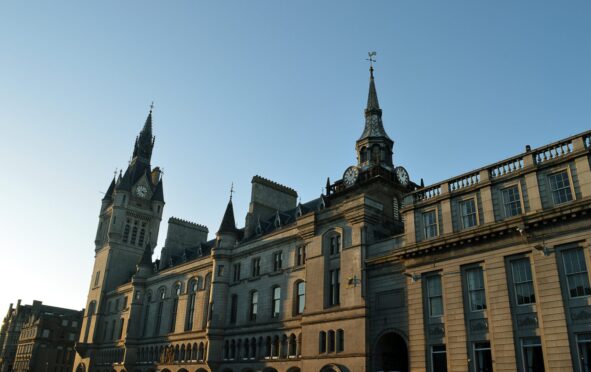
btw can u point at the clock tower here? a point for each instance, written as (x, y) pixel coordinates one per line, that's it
(129, 222)
(374, 147)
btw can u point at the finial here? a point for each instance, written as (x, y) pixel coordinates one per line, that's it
(371, 61)
(231, 191)
(115, 173)
(151, 107)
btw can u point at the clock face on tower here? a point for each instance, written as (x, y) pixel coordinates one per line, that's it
(402, 176)
(141, 191)
(350, 176)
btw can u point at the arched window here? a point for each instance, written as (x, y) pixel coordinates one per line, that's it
(331, 341)
(340, 340)
(246, 351)
(227, 349)
(322, 342)
(189, 356)
(254, 305)
(182, 356)
(192, 288)
(276, 305)
(268, 347)
(176, 291)
(292, 345)
(147, 313)
(253, 348)
(176, 353)
(334, 244)
(284, 346)
(233, 349)
(201, 352)
(363, 154)
(276, 347)
(300, 297)
(299, 348)
(161, 297)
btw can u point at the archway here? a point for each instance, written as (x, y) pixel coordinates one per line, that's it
(391, 353)
(81, 368)
(330, 368)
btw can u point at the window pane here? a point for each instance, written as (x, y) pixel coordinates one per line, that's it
(482, 357)
(438, 358)
(523, 282)
(435, 300)
(511, 201)
(533, 358)
(560, 187)
(468, 211)
(576, 272)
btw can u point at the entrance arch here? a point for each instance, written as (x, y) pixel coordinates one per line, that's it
(391, 353)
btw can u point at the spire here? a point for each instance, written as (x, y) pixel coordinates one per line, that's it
(146, 259)
(373, 114)
(145, 140)
(373, 106)
(109, 193)
(228, 224)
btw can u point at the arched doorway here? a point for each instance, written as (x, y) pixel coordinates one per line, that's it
(330, 368)
(391, 353)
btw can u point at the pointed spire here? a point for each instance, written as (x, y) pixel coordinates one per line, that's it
(109, 193)
(144, 143)
(372, 98)
(228, 223)
(146, 259)
(327, 186)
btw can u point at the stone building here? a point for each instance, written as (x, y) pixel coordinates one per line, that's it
(485, 270)
(39, 337)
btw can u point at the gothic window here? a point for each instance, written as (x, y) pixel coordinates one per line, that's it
(340, 340)
(292, 346)
(192, 288)
(161, 295)
(134, 232)
(142, 234)
(334, 287)
(175, 306)
(276, 305)
(363, 154)
(334, 244)
(126, 230)
(331, 341)
(375, 154)
(254, 305)
(322, 342)
(147, 314)
(253, 348)
(300, 291)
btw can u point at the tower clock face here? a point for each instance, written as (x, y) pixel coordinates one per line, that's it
(141, 191)
(350, 176)
(402, 176)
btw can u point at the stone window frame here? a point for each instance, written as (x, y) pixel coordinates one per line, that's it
(427, 296)
(435, 226)
(463, 200)
(275, 302)
(571, 187)
(511, 185)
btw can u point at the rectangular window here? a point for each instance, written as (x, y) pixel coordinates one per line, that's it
(335, 244)
(236, 272)
(254, 305)
(434, 295)
(276, 302)
(430, 224)
(560, 187)
(96, 278)
(533, 357)
(221, 270)
(233, 309)
(256, 266)
(277, 261)
(482, 357)
(438, 358)
(301, 297)
(584, 347)
(575, 269)
(175, 307)
(158, 318)
(468, 212)
(522, 282)
(335, 286)
(300, 255)
(475, 286)
(511, 201)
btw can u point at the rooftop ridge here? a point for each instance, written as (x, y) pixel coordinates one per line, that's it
(273, 184)
(505, 160)
(189, 223)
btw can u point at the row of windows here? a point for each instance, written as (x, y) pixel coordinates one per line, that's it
(253, 309)
(331, 341)
(300, 259)
(560, 189)
(575, 273)
(265, 348)
(173, 354)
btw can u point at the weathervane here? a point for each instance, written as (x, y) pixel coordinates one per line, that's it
(371, 60)
(152, 105)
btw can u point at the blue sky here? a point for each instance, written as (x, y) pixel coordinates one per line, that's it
(273, 88)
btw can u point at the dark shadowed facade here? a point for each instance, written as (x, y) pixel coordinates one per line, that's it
(486, 270)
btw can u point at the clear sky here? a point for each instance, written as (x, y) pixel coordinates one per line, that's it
(274, 88)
